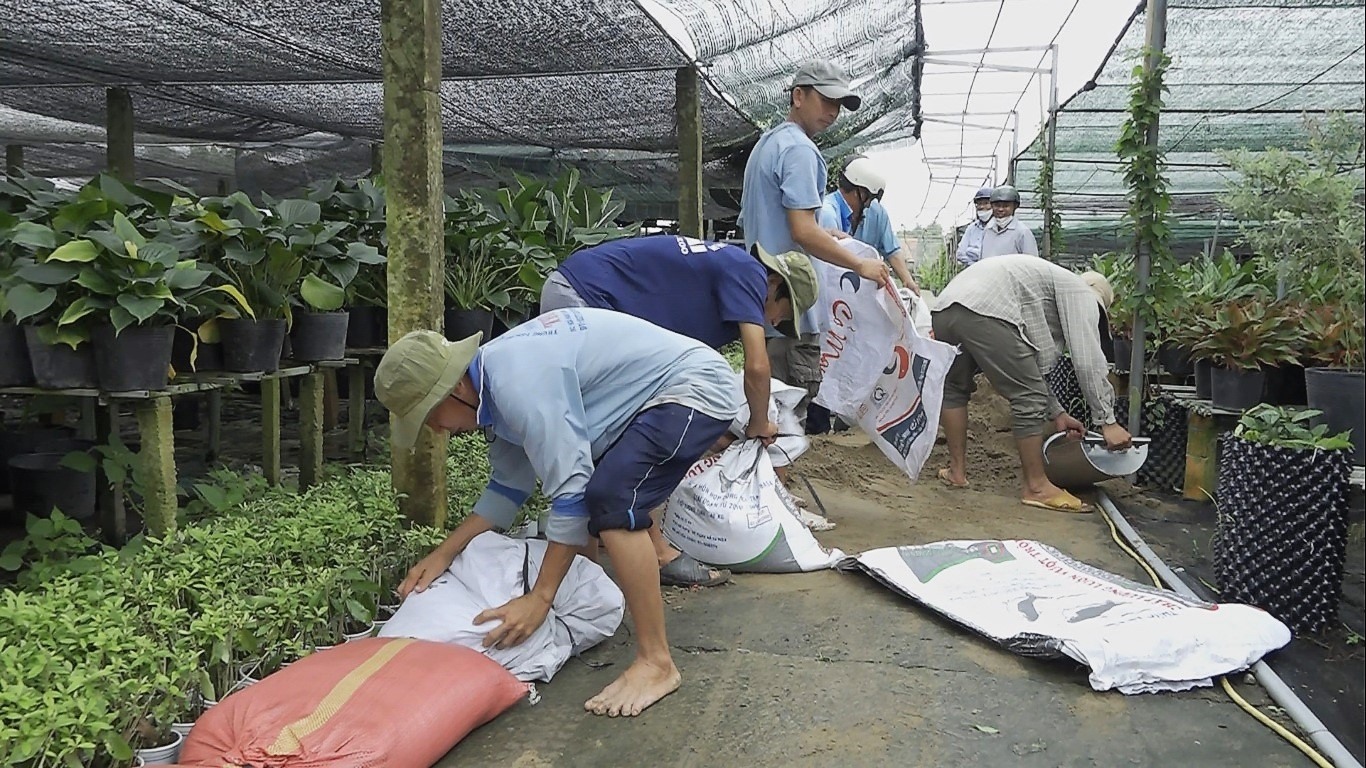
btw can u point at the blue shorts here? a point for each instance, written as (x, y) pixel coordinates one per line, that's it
(646, 464)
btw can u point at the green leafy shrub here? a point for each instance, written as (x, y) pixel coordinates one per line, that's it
(1274, 425)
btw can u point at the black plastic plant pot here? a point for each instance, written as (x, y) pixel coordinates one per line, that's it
(319, 336)
(251, 346)
(463, 323)
(1236, 390)
(1202, 378)
(1285, 385)
(368, 328)
(40, 482)
(1176, 360)
(1341, 395)
(1124, 350)
(209, 357)
(15, 369)
(139, 358)
(1281, 540)
(57, 366)
(15, 441)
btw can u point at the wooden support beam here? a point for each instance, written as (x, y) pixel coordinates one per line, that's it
(109, 498)
(270, 429)
(688, 123)
(411, 158)
(311, 430)
(355, 410)
(1202, 450)
(14, 159)
(331, 401)
(159, 503)
(119, 124)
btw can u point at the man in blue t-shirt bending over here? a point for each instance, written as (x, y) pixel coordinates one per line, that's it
(712, 292)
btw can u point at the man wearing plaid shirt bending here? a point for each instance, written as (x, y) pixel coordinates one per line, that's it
(1013, 316)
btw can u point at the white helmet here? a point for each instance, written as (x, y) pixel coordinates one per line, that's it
(863, 172)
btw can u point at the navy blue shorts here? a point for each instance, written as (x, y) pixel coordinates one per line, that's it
(646, 464)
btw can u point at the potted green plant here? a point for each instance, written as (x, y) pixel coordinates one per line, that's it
(1281, 537)
(480, 276)
(257, 260)
(140, 289)
(1334, 381)
(360, 203)
(1118, 269)
(1245, 337)
(40, 294)
(319, 331)
(15, 368)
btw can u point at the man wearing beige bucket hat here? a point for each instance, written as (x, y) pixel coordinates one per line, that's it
(608, 412)
(1012, 317)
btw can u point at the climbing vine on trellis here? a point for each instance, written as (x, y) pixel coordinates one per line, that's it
(1144, 174)
(1052, 217)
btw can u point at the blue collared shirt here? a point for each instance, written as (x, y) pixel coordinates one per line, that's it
(559, 390)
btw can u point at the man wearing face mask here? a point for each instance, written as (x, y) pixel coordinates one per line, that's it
(1004, 234)
(970, 247)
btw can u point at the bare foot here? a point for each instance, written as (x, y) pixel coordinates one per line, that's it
(641, 685)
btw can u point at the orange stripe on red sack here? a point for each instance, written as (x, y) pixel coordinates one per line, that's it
(291, 736)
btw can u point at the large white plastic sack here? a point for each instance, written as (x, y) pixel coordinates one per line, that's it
(494, 569)
(1036, 601)
(728, 512)
(878, 371)
(782, 411)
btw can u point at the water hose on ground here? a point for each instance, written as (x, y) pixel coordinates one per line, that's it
(1328, 744)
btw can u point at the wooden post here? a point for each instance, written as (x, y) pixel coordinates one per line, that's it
(311, 430)
(1202, 447)
(355, 410)
(14, 159)
(109, 501)
(158, 465)
(270, 429)
(118, 140)
(331, 403)
(215, 426)
(411, 159)
(688, 122)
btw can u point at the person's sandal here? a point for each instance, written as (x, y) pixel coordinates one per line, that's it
(1063, 502)
(684, 571)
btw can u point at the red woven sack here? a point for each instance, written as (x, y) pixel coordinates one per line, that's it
(374, 703)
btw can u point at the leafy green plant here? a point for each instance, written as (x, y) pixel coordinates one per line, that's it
(936, 272)
(1145, 176)
(1118, 269)
(1249, 334)
(483, 261)
(1274, 425)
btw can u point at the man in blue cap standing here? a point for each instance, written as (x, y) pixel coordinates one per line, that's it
(970, 247)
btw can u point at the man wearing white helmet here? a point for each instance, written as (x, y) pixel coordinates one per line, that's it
(856, 209)
(970, 247)
(1004, 233)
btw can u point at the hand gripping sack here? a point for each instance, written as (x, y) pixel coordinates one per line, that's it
(782, 411)
(728, 512)
(494, 569)
(372, 703)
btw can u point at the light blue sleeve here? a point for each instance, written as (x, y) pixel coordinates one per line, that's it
(511, 481)
(880, 228)
(547, 410)
(1026, 242)
(827, 217)
(801, 177)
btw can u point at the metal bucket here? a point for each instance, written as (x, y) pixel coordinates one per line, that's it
(1077, 463)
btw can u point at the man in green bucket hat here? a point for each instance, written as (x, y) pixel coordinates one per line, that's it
(608, 412)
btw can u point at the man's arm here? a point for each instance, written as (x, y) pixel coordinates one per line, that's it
(511, 481)
(758, 380)
(1027, 243)
(964, 253)
(816, 242)
(1079, 313)
(903, 271)
(520, 617)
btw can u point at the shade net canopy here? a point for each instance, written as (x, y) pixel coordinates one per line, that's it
(266, 94)
(1244, 74)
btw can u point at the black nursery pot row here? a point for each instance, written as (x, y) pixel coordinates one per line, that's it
(33, 470)
(140, 358)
